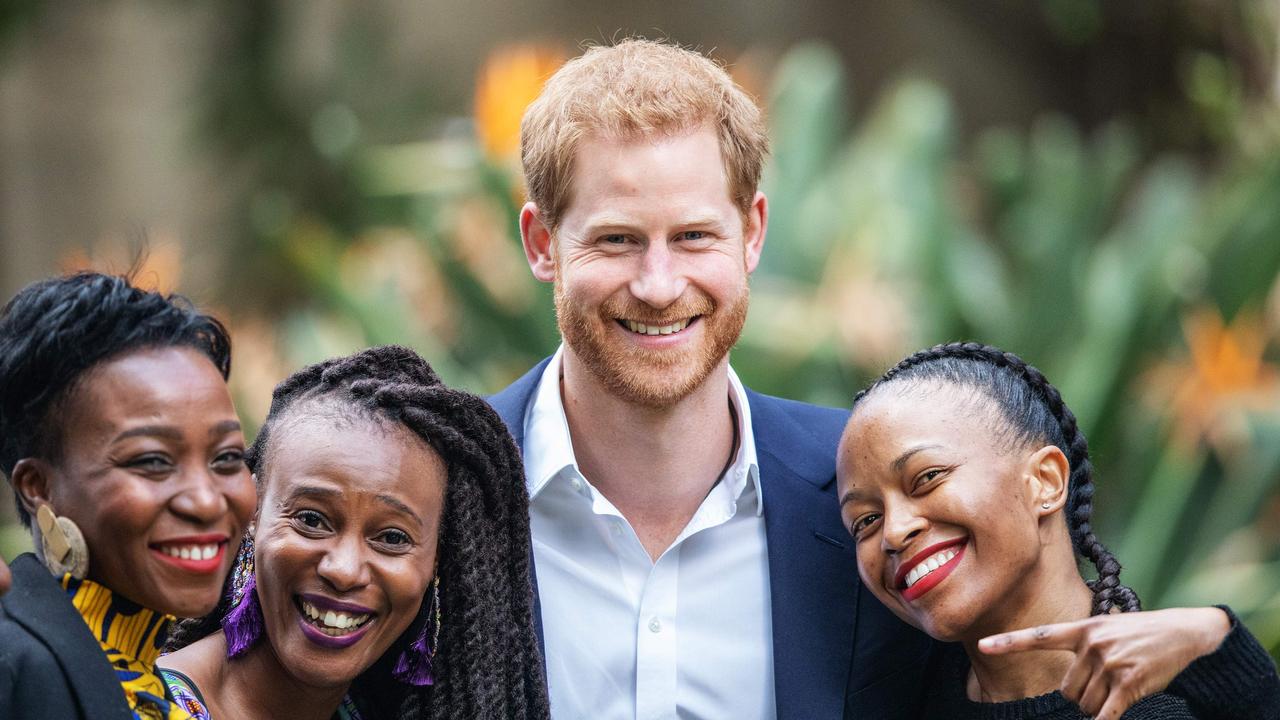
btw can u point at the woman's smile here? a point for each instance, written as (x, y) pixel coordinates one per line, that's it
(199, 554)
(927, 493)
(346, 543)
(929, 567)
(333, 624)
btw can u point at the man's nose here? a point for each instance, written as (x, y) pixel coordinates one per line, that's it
(660, 279)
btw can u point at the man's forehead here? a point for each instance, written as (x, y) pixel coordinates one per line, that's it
(617, 182)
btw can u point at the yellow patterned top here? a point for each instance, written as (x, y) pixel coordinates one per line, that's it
(131, 636)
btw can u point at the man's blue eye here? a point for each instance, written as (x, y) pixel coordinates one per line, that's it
(615, 239)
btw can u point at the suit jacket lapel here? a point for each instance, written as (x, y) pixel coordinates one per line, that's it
(39, 604)
(513, 400)
(511, 404)
(813, 571)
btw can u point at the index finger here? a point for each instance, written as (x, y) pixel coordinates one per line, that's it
(1058, 636)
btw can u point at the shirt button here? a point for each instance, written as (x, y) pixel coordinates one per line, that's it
(576, 484)
(617, 528)
(655, 625)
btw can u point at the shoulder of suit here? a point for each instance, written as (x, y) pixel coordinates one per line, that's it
(808, 414)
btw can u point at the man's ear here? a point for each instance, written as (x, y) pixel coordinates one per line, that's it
(1049, 475)
(31, 479)
(757, 222)
(536, 238)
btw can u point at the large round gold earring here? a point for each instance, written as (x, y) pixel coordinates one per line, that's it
(62, 545)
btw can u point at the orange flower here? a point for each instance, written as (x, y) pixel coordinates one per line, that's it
(511, 78)
(1210, 394)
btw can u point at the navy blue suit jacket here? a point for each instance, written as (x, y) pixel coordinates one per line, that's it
(836, 650)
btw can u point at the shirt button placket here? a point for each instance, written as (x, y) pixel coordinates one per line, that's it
(656, 641)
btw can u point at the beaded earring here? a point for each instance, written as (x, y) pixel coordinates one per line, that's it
(243, 623)
(413, 667)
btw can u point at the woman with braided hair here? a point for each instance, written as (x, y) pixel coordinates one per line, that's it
(966, 485)
(387, 573)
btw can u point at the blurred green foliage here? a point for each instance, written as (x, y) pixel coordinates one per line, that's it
(1144, 284)
(1139, 284)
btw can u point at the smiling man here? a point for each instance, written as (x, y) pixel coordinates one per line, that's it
(689, 553)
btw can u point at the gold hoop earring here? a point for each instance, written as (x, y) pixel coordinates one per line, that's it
(62, 545)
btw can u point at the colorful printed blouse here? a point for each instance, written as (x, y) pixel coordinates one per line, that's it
(131, 636)
(185, 692)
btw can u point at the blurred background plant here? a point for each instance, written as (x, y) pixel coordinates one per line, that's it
(1112, 214)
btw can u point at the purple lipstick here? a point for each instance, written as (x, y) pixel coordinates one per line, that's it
(331, 623)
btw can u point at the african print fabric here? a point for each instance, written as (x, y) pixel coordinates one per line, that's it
(131, 636)
(184, 690)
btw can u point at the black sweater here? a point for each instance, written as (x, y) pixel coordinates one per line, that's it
(1236, 682)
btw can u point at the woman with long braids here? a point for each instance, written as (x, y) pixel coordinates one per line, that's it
(387, 569)
(966, 484)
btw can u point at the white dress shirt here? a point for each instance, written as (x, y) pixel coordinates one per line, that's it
(688, 636)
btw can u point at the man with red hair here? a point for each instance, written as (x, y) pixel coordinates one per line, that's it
(689, 554)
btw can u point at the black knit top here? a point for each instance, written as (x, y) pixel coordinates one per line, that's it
(1236, 682)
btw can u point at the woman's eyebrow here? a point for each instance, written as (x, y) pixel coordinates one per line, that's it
(328, 493)
(902, 459)
(226, 427)
(852, 495)
(400, 506)
(313, 491)
(167, 432)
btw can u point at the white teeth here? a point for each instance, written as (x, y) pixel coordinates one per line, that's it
(330, 620)
(641, 328)
(191, 552)
(933, 562)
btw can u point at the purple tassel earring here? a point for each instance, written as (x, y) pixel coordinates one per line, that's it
(242, 625)
(413, 667)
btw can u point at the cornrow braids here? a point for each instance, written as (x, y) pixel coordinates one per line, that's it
(1034, 411)
(488, 663)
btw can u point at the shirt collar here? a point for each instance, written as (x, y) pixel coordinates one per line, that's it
(548, 448)
(745, 465)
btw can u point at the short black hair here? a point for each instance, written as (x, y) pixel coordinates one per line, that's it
(54, 331)
(488, 663)
(1033, 411)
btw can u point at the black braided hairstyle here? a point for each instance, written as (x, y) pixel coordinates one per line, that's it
(488, 663)
(56, 330)
(1034, 412)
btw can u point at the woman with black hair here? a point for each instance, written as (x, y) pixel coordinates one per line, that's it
(389, 570)
(119, 438)
(966, 484)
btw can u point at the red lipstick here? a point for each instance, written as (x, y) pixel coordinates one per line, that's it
(196, 545)
(928, 582)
